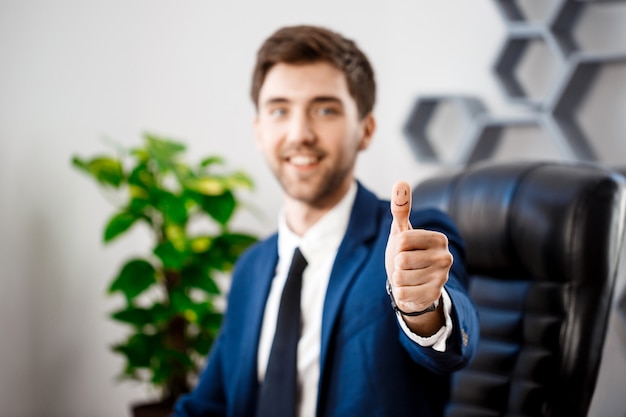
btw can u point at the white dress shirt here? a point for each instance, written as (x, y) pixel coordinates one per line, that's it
(319, 246)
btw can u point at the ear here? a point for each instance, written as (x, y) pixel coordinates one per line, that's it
(369, 126)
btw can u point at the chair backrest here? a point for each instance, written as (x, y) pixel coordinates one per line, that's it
(543, 244)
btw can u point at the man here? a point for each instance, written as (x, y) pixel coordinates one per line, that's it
(360, 350)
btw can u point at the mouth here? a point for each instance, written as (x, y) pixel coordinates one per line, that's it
(303, 160)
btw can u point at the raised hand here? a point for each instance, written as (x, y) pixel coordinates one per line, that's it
(417, 262)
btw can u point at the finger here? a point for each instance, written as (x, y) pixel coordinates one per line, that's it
(401, 206)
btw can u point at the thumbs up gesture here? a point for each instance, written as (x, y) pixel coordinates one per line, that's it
(417, 263)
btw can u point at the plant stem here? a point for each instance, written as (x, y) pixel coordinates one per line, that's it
(177, 383)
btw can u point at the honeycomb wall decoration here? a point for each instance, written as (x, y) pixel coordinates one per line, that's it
(553, 112)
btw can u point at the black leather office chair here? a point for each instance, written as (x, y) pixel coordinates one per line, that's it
(543, 242)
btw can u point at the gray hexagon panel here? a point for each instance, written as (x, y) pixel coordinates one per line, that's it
(574, 97)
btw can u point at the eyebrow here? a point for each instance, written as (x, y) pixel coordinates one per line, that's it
(316, 100)
(327, 99)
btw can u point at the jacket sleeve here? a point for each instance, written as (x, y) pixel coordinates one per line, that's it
(208, 398)
(462, 342)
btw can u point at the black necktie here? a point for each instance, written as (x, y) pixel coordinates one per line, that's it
(278, 393)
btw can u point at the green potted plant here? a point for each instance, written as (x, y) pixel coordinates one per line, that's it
(170, 293)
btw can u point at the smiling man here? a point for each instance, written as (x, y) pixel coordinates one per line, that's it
(356, 306)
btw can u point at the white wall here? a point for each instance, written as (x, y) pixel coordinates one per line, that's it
(75, 72)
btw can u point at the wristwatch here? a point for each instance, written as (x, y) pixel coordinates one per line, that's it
(395, 307)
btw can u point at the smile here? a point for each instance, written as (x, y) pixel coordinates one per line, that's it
(303, 160)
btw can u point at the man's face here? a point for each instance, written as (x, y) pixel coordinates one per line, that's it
(309, 131)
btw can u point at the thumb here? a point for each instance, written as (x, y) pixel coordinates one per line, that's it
(401, 206)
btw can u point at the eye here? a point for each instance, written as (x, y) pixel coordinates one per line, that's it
(278, 112)
(326, 111)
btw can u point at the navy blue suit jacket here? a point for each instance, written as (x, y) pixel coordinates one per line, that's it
(368, 366)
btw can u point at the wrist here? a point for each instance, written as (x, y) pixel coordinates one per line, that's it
(394, 305)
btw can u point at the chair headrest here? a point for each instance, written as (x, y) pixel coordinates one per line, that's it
(533, 218)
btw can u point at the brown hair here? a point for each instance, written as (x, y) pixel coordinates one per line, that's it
(309, 44)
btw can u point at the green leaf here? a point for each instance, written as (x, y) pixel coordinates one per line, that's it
(182, 171)
(118, 224)
(180, 301)
(195, 276)
(219, 207)
(212, 321)
(161, 144)
(134, 316)
(240, 180)
(156, 315)
(236, 243)
(169, 363)
(104, 169)
(176, 234)
(209, 325)
(138, 206)
(162, 150)
(173, 208)
(162, 314)
(200, 243)
(142, 177)
(81, 164)
(136, 276)
(138, 349)
(169, 255)
(211, 160)
(227, 248)
(203, 342)
(209, 186)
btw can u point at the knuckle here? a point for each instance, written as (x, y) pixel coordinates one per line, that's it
(401, 293)
(442, 259)
(401, 260)
(399, 278)
(403, 240)
(440, 239)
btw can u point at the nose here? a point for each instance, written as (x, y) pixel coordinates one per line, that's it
(300, 129)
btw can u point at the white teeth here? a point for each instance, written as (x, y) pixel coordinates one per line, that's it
(302, 160)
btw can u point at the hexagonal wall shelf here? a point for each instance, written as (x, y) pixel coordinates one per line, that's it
(511, 55)
(540, 66)
(575, 26)
(514, 12)
(510, 10)
(492, 135)
(568, 96)
(562, 23)
(416, 127)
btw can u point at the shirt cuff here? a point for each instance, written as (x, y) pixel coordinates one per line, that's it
(439, 339)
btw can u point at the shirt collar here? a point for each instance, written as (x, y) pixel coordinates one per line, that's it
(323, 237)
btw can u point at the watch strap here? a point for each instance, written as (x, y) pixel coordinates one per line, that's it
(395, 307)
